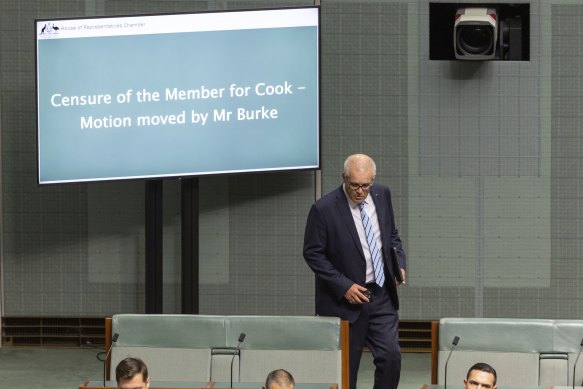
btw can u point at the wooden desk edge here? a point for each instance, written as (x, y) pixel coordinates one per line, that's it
(107, 346)
(208, 385)
(425, 386)
(85, 385)
(151, 387)
(434, 351)
(345, 356)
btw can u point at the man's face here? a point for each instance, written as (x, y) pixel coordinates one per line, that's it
(358, 183)
(137, 382)
(479, 380)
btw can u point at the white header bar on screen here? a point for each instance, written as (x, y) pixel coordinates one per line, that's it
(176, 23)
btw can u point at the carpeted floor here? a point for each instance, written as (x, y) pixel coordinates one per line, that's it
(47, 368)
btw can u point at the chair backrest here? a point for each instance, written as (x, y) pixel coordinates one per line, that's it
(203, 347)
(568, 338)
(512, 346)
(307, 346)
(175, 347)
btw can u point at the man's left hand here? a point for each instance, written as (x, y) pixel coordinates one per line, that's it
(403, 277)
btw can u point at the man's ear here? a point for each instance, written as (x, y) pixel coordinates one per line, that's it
(148, 382)
(466, 383)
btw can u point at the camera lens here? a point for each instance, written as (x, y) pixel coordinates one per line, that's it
(475, 39)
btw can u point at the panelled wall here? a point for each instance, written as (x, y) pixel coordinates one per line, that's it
(484, 160)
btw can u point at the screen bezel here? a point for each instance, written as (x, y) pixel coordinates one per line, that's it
(316, 166)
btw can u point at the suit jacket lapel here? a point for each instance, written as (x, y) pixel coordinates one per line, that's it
(381, 209)
(344, 209)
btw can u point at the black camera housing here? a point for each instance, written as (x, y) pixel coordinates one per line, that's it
(508, 41)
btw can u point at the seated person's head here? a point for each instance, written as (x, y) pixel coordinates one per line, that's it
(132, 373)
(279, 379)
(481, 376)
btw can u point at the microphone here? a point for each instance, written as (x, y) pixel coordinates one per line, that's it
(575, 364)
(454, 343)
(113, 340)
(237, 352)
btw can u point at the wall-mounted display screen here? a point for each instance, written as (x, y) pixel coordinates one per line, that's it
(177, 94)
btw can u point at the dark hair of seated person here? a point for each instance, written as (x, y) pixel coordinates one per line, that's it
(128, 368)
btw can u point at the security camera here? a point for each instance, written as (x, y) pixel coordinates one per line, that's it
(475, 33)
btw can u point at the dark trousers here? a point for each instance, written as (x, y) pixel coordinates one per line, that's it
(377, 327)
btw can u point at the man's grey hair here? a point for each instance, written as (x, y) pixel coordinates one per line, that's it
(281, 378)
(361, 161)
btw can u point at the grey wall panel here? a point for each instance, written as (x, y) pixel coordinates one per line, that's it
(484, 160)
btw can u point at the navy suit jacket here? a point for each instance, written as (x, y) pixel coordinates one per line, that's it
(333, 251)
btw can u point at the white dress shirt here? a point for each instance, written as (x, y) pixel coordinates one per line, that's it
(371, 211)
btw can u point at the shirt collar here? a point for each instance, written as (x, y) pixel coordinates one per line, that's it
(351, 203)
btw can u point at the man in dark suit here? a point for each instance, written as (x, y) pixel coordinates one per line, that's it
(349, 236)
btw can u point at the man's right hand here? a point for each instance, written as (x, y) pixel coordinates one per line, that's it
(355, 295)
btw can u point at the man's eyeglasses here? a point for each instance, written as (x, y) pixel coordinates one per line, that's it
(354, 186)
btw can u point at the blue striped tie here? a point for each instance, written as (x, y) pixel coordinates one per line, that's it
(377, 263)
